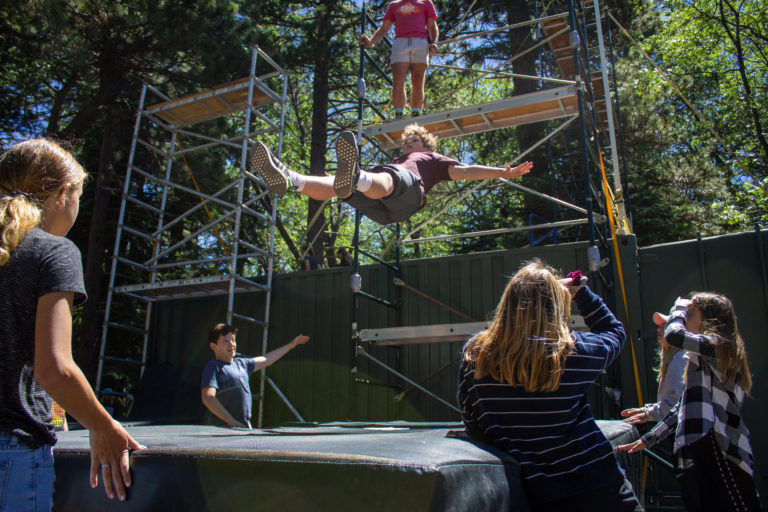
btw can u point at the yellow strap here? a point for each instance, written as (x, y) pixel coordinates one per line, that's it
(207, 211)
(609, 209)
(378, 119)
(611, 203)
(383, 111)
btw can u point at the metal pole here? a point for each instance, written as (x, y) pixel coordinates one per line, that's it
(355, 280)
(116, 250)
(584, 138)
(499, 231)
(238, 216)
(702, 261)
(156, 247)
(284, 399)
(626, 197)
(506, 27)
(618, 189)
(361, 351)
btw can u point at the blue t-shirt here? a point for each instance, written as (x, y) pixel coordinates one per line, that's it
(233, 390)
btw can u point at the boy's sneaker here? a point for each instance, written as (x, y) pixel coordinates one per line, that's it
(345, 181)
(399, 114)
(272, 171)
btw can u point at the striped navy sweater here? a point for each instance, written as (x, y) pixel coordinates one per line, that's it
(552, 435)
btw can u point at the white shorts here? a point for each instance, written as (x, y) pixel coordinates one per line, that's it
(410, 49)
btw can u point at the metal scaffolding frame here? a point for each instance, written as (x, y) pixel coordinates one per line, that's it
(578, 94)
(163, 212)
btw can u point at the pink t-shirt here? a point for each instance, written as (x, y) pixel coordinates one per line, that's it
(410, 17)
(430, 166)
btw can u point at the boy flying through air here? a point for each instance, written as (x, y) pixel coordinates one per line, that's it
(386, 193)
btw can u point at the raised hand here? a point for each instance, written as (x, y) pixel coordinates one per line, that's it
(515, 172)
(635, 416)
(635, 447)
(299, 340)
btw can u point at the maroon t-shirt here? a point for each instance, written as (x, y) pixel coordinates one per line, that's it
(430, 166)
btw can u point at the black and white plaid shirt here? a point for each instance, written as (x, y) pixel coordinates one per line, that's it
(707, 403)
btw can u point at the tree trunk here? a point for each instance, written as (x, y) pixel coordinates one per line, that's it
(96, 263)
(97, 257)
(316, 235)
(529, 134)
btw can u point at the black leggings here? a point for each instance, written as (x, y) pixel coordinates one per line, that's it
(710, 482)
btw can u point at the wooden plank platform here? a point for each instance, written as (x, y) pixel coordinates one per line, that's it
(220, 101)
(563, 54)
(513, 111)
(188, 288)
(560, 46)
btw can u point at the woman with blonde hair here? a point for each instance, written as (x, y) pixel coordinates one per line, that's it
(712, 443)
(385, 193)
(523, 386)
(41, 278)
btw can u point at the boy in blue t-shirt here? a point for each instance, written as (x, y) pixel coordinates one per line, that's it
(225, 390)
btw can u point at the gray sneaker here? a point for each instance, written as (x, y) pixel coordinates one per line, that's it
(272, 171)
(345, 181)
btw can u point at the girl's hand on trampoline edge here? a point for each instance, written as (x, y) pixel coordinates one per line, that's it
(635, 447)
(299, 340)
(110, 455)
(515, 172)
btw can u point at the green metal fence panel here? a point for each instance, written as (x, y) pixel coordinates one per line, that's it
(324, 380)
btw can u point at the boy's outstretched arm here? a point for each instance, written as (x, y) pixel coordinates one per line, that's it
(270, 357)
(483, 172)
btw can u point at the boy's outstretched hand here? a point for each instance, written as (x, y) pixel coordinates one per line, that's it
(299, 340)
(515, 172)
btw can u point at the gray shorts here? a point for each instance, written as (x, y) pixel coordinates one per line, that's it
(398, 206)
(414, 50)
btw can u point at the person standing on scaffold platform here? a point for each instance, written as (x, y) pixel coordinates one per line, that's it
(416, 35)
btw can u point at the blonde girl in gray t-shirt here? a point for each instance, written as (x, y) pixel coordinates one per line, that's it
(41, 277)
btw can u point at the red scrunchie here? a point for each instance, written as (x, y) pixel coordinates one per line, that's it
(576, 277)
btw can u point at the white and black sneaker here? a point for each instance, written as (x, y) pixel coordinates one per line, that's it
(272, 171)
(347, 172)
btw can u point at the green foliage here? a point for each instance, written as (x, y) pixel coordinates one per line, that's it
(74, 69)
(696, 137)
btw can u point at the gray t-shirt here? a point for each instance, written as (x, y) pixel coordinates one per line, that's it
(42, 263)
(233, 390)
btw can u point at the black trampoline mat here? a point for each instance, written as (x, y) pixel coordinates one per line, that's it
(335, 466)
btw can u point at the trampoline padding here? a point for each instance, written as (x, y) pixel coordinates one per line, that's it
(394, 466)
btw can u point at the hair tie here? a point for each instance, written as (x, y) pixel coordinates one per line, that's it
(16, 193)
(576, 277)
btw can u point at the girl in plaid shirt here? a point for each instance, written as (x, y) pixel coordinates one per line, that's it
(711, 440)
